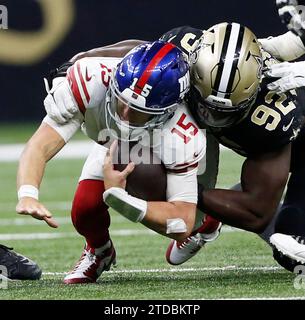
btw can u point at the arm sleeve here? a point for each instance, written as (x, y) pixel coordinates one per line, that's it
(182, 187)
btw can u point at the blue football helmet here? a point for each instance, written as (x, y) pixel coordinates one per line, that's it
(145, 89)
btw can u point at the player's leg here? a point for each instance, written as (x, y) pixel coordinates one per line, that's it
(291, 221)
(91, 219)
(289, 229)
(290, 218)
(14, 266)
(206, 228)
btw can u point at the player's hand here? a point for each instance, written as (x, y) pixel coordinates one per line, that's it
(30, 206)
(292, 76)
(59, 103)
(291, 15)
(115, 178)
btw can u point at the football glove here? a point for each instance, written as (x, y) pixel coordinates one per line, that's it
(292, 15)
(291, 74)
(59, 103)
(286, 47)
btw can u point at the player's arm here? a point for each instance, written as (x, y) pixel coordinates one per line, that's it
(263, 180)
(174, 218)
(286, 47)
(43, 145)
(117, 50)
(291, 45)
(51, 137)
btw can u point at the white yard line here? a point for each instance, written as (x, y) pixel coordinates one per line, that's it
(30, 221)
(190, 270)
(180, 270)
(73, 150)
(63, 235)
(52, 205)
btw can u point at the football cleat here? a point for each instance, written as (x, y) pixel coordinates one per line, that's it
(92, 263)
(290, 246)
(17, 266)
(179, 252)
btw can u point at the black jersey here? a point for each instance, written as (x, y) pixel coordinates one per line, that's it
(272, 122)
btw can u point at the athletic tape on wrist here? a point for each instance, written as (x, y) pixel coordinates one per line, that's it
(128, 206)
(28, 190)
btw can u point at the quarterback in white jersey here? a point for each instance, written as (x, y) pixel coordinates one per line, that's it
(181, 148)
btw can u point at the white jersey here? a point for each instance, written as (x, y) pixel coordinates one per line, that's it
(180, 144)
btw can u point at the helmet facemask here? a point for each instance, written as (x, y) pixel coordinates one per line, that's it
(141, 122)
(214, 114)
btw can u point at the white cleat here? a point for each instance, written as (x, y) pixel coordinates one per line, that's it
(290, 246)
(91, 264)
(179, 252)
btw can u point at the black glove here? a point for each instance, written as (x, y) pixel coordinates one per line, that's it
(61, 71)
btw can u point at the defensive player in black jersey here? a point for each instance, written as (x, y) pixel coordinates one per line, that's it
(231, 99)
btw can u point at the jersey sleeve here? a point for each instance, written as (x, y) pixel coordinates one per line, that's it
(88, 80)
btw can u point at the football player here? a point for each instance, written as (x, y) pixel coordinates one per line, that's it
(289, 241)
(126, 98)
(231, 98)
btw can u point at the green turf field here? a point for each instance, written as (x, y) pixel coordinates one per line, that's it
(237, 265)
